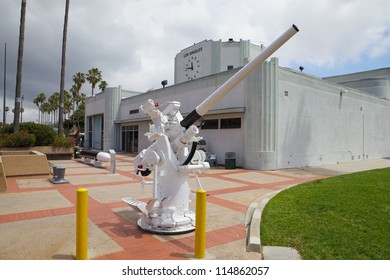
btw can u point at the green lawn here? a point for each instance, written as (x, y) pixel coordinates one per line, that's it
(344, 217)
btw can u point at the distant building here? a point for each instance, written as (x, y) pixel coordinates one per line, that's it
(275, 118)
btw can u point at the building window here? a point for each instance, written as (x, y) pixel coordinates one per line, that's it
(89, 132)
(231, 123)
(230, 67)
(135, 111)
(96, 132)
(102, 134)
(210, 124)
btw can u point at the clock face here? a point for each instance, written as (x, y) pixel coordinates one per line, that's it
(192, 68)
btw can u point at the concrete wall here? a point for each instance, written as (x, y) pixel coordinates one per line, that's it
(320, 123)
(94, 105)
(261, 117)
(108, 103)
(19, 163)
(113, 98)
(97, 101)
(190, 95)
(3, 178)
(289, 119)
(214, 57)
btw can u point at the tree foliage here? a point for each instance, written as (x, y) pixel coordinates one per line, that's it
(44, 134)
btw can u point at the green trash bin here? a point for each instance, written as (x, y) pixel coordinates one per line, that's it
(76, 152)
(230, 160)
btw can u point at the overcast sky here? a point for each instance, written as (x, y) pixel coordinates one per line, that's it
(134, 42)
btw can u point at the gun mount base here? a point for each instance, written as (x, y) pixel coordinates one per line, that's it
(176, 224)
(142, 223)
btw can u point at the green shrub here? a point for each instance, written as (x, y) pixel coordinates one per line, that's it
(44, 134)
(62, 141)
(7, 129)
(18, 139)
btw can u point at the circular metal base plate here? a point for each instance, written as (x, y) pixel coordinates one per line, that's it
(167, 230)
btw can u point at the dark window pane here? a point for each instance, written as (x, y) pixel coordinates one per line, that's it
(210, 124)
(230, 123)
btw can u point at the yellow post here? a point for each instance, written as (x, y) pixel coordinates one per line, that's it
(200, 224)
(82, 224)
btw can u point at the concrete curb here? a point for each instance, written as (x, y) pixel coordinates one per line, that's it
(252, 227)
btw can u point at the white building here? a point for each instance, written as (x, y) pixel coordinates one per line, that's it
(275, 118)
(212, 57)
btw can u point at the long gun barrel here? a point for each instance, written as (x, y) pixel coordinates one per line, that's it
(223, 90)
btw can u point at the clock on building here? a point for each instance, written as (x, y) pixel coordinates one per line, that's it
(192, 68)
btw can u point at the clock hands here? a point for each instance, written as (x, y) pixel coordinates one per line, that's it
(190, 68)
(194, 70)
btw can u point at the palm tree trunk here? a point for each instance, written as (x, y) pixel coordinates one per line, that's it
(4, 85)
(18, 88)
(62, 83)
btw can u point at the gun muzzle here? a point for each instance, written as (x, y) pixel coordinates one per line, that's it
(225, 88)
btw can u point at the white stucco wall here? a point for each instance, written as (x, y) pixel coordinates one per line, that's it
(318, 125)
(288, 119)
(95, 104)
(190, 94)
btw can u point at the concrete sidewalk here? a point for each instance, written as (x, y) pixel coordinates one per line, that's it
(37, 218)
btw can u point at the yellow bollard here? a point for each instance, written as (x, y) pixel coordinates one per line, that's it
(200, 224)
(82, 224)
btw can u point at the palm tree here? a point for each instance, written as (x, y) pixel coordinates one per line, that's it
(39, 101)
(67, 103)
(42, 99)
(62, 83)
(79, 80)
(45, 107)
(18, 88)
(82, 99)
(94, 76)
(103, 85)
(73, 91)
(36, 102)
(53, 102)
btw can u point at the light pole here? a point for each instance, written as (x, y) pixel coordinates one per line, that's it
(5, 78)
(21, 109)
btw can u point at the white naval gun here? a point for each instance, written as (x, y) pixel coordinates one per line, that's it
(173, 154)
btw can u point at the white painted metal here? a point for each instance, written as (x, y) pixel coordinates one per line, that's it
(168, 157)
(103, 157)
(112, 161)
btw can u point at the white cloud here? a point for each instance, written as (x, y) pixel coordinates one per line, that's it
(134, 42)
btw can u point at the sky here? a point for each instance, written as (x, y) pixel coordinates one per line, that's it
(134, 42)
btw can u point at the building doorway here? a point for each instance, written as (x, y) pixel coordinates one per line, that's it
(96, 131)
(130, 138)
